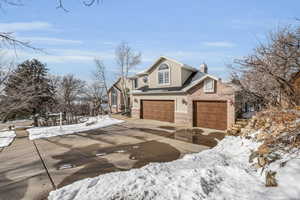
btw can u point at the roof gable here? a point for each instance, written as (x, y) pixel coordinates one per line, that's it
(163, 58)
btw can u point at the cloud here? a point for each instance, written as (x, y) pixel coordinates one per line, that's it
(24, 26)
(61, 55)
(50, 40)
(219, 44)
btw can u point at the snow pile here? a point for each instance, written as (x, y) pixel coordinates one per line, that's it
(223, 172)
(92, 123)
(6, 138)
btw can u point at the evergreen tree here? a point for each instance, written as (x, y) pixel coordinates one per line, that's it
(28, 91)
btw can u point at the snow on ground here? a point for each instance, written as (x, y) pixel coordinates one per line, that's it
(219, 173)
(92, 123)
(6, 138)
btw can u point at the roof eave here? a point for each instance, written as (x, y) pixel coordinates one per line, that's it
(199, 81)
(150, 93)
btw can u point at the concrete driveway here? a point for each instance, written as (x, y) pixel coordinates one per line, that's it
(31, 169)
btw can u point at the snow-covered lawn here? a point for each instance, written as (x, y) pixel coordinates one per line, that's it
(6, 137)
(92, 123)
(219, 173)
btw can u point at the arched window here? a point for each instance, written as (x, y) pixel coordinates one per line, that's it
(163, 74)
(114, 97)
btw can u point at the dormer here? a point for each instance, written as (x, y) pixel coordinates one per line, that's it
(166, 72)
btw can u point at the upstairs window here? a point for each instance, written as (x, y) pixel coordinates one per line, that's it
(209, 85)
(163, 74)
(114, 97)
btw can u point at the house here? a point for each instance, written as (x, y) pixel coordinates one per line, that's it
(116, 97)
(175, 92)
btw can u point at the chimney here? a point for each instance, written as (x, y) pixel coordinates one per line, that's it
(203, 68)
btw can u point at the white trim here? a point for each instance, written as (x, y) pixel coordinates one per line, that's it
(206, 82)
(162, 71)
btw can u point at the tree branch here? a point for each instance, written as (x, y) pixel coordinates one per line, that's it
(7, 38)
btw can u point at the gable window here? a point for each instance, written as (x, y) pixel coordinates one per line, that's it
(163, 74)
(135, 83)
(209, 85)
(114, 97)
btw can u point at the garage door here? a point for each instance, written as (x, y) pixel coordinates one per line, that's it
(210, 114)
(157, 110)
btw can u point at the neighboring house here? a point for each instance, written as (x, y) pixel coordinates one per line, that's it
(115, 96)
(175, 92)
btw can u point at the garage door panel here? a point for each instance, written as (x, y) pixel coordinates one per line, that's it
(158, 110)
(210, 114)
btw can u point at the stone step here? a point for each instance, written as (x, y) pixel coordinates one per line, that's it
(241, 123)
(238, 126)
(235, 128)
(232, 132)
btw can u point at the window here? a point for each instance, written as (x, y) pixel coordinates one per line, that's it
(114, 97)
(145, 79)
(135, 83)
(163, 74)
(209, 85)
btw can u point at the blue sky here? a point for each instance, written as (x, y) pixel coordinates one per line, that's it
(195, 31)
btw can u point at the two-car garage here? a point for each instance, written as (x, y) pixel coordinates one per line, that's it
(205, 114)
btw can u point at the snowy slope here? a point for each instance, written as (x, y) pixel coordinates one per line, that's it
(219, 173)
(6, 138)
(45, 132)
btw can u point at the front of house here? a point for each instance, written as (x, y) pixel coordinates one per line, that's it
(175, 92)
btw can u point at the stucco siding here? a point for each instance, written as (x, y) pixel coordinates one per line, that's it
(185, 74)
(141, 82)
(180, 101)
(175, 75)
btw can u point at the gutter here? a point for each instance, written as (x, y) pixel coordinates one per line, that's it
(149, 93)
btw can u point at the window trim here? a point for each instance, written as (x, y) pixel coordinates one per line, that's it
(206, 82)
(163, 71)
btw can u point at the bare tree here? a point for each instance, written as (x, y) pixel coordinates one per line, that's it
(100, 76)
(126, 59)
(70, 89)
(5, 70)
(96, 96)
(7, 39)
(267, 72)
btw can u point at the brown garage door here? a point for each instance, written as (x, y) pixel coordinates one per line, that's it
(157, 110)
(210, 114)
